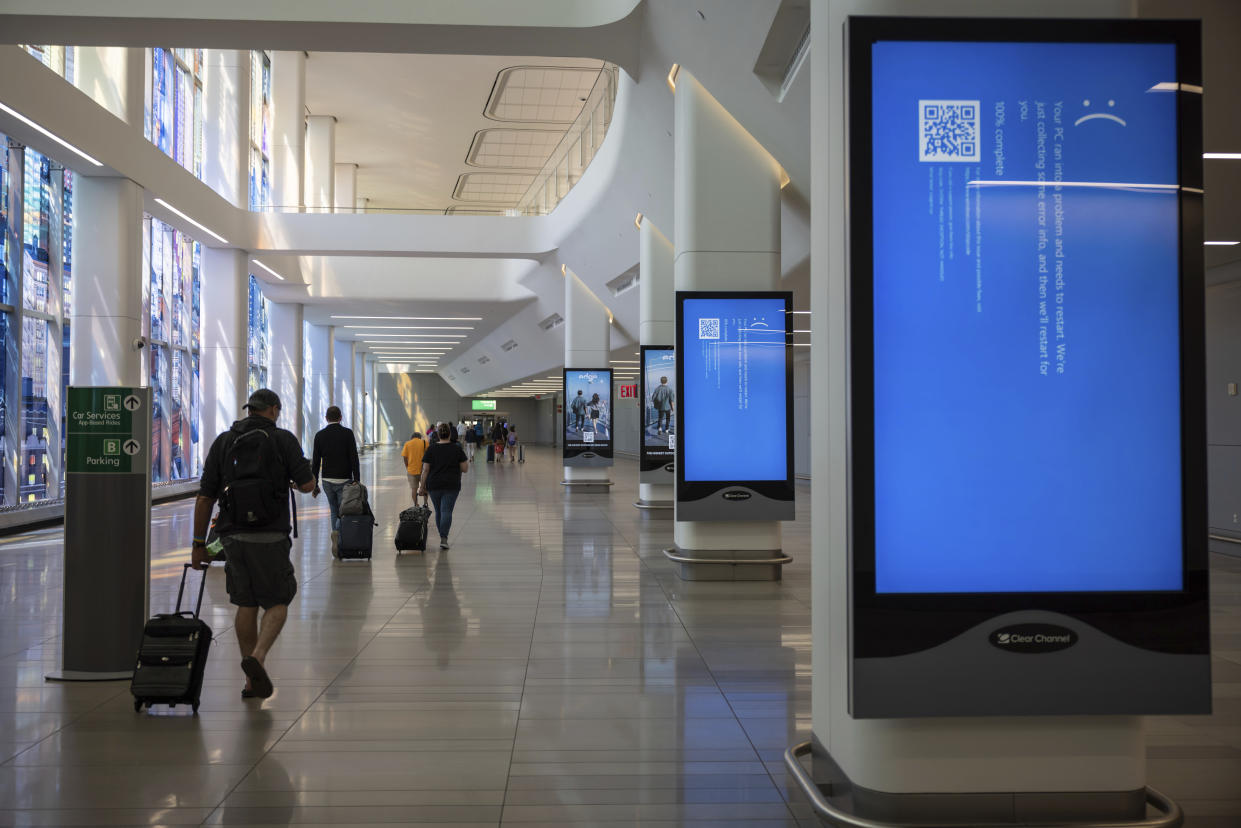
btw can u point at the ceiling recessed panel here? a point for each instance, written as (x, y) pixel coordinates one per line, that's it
(546, 94)
(492, 188)
(514, 149)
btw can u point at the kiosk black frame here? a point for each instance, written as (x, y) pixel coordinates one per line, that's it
(755, 500)
(887, 626)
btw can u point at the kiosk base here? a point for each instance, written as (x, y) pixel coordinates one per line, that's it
(586, 486)
(652, 505)
(89, 675)
(728, 564)
(837, 801)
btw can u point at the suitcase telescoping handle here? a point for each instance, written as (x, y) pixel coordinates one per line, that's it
(202, 587)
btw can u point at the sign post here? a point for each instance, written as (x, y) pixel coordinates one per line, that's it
(107, 531)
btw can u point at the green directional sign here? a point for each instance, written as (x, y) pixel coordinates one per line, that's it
(107, 430)
(482, 405)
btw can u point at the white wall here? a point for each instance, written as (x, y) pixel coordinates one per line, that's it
(1223, 344)
(626, 415)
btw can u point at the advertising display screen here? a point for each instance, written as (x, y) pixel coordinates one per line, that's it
(659, 402)
(1026, 325)
(734, 378)
(588, 415)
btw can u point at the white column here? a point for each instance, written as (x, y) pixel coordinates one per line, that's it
(318, 378)
(346, 183)
(226, 125)
(342, 374)
(727, 219)
(286, 362)
(288, 120)
(225, 334)
(357, 395)
(657, 326)
(587, 344)
(320, 180)
(107, 283)
(930, 756)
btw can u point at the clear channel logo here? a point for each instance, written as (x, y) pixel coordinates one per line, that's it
(736, 494)
(1033, 638)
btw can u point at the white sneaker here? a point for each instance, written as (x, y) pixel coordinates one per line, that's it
(444, 543)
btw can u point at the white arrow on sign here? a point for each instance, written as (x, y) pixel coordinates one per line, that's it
(132, 447)
(132, 403)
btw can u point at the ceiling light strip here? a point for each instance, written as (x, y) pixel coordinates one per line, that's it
(201, 227)
(268, 269)
(416, 318)
(48, 133)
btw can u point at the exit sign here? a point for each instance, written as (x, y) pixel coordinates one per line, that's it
(629, 391)
(482, 405)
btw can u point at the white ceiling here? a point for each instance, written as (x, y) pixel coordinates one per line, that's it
(410, 122)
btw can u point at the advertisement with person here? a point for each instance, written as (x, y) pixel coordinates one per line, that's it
(588, 417)
(659, 401)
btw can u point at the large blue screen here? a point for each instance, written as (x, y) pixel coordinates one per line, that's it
(734, 396)
(1026, 318)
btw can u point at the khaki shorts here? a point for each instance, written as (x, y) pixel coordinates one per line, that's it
(413, 482)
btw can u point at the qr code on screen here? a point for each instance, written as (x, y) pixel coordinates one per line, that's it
(948, 130)
(708, 329)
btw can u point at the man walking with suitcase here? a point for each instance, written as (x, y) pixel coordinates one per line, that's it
(336, 453)
(249, 471)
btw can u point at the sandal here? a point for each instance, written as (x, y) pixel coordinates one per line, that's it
(259, 680)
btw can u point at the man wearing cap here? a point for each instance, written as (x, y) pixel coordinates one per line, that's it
(248, 471)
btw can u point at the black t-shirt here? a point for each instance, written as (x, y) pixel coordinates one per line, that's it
(296, 468)
(445, 460)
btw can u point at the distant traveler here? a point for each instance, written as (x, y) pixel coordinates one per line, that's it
(663, 399)
(471, 443)
(335, 454)
(498, 435)
(412, 453)
(595, 405)
(442, 467)
(512, 444)
(248, 471)
(461, 431)
(578, 409)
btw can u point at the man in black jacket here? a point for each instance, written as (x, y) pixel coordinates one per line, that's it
(336, 455)
(249, 470)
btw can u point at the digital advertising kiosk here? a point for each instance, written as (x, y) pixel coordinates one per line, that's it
(734, 417)
(658, 421)
(588, 417)
(1028, 515)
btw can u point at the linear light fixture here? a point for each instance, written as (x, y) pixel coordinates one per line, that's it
(1223, 156)
(1173, 86)
(200, 226)
(50, 134)
(420, 336)
(268, 269)
(412, 328)
(1222, 243)
(416, 318)
(672, 76)
(637, 222)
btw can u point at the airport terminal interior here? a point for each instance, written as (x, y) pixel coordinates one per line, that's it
(799, 515)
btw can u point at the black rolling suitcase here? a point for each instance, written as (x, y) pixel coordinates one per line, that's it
(411, 532)
(491, 452)
(173, 655)
(356, 532)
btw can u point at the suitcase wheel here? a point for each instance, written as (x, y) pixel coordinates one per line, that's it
(138, 706)
(195, 706)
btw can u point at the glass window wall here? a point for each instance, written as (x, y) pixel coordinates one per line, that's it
(259, 344)
(175, 122)
(260, 130)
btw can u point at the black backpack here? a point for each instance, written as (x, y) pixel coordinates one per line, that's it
(252, 496)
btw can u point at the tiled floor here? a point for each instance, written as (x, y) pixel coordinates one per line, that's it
(549, 670)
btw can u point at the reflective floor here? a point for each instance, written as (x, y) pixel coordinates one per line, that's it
(550, 670)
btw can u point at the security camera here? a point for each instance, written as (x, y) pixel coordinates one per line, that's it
(140, 343)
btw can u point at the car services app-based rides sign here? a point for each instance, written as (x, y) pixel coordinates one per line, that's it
(1026, 317)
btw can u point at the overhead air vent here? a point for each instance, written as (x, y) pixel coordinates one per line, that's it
(513, 149)
(627, 281)
(465, 370)
(495, 188)
(483, 360)
(553, 321)
(786, 47)
(508, 346)
(541, 94)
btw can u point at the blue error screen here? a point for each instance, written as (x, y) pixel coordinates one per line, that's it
(1027, 431)
(734, 399)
